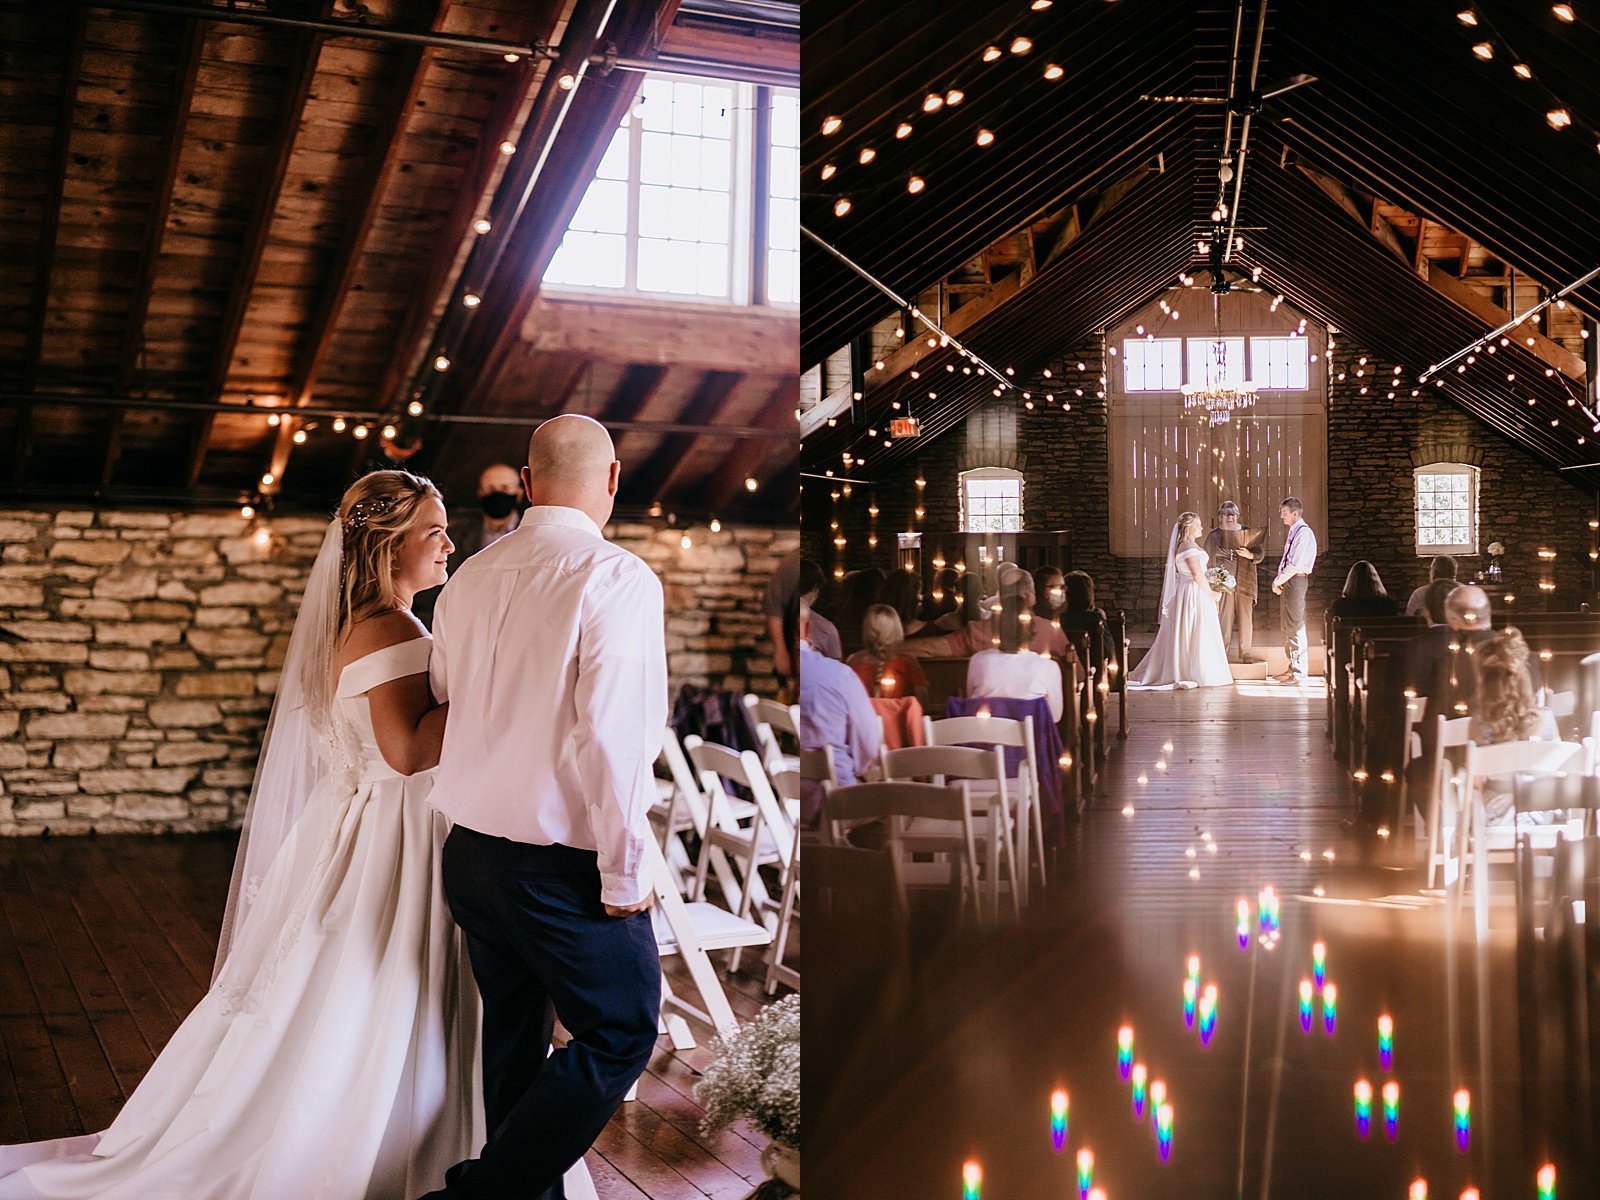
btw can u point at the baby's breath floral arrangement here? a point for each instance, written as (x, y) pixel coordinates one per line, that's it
(757, 1075)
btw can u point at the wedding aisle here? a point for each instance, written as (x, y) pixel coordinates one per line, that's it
(1216, 795)
(115, 938)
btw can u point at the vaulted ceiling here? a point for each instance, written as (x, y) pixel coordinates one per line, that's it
(1408, 196)
(215, 210)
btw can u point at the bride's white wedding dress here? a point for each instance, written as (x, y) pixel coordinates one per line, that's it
(1188, 650)
(336, 1055)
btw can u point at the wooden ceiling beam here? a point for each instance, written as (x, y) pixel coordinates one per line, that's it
(639, 383)
(1464, 295)
(650, 480)
(302, 70)
(44, 265)
(370, 186)
(745, 458)
(172, 138)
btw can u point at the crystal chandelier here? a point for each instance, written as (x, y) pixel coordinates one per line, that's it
(1217, 396)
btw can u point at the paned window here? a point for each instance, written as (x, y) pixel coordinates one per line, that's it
(1152, 364)
(1280, 363)
(1447, 509)
(991, 500)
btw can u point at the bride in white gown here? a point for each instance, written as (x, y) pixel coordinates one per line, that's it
(336, 1055)
(1188, 650)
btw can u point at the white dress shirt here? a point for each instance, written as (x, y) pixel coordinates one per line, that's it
(1299, 553)
(550, 646)
(1018, 676)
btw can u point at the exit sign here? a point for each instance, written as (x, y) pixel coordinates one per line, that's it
(904, 427)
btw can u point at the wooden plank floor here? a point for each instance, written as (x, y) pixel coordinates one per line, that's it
(1000, 1018)
(107, 943)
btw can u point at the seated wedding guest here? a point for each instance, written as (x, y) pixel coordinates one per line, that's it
(1012, 670)
(858, 592)
(1080, 614)
(1045, 637)
(884, 667)
(1504, 711)
(824, 635)
(902, 591)
(498, 513)
(1364, 594)
(968, 594)
(1006, 575)
(1425, 651)
(1443, 567)
(835, 715)
(1050, 593)
(942, 599)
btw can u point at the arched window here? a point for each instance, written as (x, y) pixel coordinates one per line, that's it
(991, 500)
(1447, 509)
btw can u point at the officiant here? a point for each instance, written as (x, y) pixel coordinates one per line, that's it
(1236, 550)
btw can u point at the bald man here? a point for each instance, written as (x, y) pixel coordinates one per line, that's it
(550, 648)
(499, 494)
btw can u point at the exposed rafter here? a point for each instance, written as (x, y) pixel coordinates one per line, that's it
(745, 459)
(650, 481)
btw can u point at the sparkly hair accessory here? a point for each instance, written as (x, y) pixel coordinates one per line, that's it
(364, 510)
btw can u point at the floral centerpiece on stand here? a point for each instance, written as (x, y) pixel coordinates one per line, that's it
(1495, 550)
(757, 1078)
(1220, 579)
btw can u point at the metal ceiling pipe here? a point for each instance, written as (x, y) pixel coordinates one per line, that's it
(359, 417)
(1244, 132)
(325, 27)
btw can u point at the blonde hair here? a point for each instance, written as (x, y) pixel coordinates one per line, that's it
(1183, 523)
(1505, 688)
(882, 633)
(374, 517)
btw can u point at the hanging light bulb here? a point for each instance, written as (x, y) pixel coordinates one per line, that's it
(1564, 12)
(1559, 118)
(442, 363)
(831, 125)
(716, 525)
(932, 102)
(414, 408)
(511, 58)
(902, 130)
(300, 436)
(1021, 45)
(471, 300)
(338, 424)
(1523, 70)
(1484, 50)
(985, 137)
(268, 479)
(1053, 72)
(750, 483)
(247, 511)
(841, 206)
(991, 53)
(1467, 17)
(954, 97)
(508, 148)
(828, 171)
(389, 432)
(1041, 5)
(481, 225)
(914, 185)
(274, 420)
(867, 155)
(360, 432)
(567, 82)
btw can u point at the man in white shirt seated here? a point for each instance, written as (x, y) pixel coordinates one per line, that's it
(549, 647)
(836, 715)
(1012, 671)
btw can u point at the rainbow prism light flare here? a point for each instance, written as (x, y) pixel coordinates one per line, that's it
(971, 1180)
(1208, 1013)
(1242, 927)
(1319, 963)
(1085, 1172)
(1158, 1094)
(1140, 1074)
(1125, 1051)
(1386, 1042)
(1194, 967)
(1330, 1008)
(1546, 1181)
(1191, 994)
(1463, 1108)
(1058, 1119)
(1306, 998)
(1391, 1109)
(1363, 1109)
(1267, 905)
(1164, 1131)
(1097, 1193)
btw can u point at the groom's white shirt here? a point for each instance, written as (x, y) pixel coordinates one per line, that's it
(550, 646)
(1299, 553)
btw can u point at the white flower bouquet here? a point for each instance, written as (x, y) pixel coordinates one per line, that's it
(1496, 549)
(757, 1075)
(1220, 579)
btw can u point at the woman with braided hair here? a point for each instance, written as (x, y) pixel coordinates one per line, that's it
(336, 1054)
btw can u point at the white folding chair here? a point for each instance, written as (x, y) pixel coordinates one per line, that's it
(1024, 785)
(772, 719)
(683, 809)
(985, 773)
(1477, 839)
(898, 806)
(1443, 801)
(767, 839)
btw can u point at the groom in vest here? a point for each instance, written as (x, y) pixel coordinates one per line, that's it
(1294, 574)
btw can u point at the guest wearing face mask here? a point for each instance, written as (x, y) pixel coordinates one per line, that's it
(498, 513)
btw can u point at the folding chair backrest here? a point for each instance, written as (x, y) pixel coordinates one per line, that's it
(786, 784)
(718, 763)
(990, 731)
(1568, 790)
(817, 766)
(879, 801)
(677, 764)
(728, 764)
(951, 762)
(1506, 758)
(783, 718)
(1563, 704)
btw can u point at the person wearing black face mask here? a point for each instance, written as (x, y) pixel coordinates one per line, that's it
(499, 498)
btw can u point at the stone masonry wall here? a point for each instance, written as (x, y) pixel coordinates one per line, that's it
(139, 653)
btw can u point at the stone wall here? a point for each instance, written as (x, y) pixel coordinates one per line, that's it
(143, 651)
(1373, 445)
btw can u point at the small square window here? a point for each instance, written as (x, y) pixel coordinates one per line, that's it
(991, 500)
(1447, 509)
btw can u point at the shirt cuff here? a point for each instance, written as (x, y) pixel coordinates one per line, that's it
(622, 891)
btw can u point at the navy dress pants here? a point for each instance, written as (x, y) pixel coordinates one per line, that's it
(543, 947)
